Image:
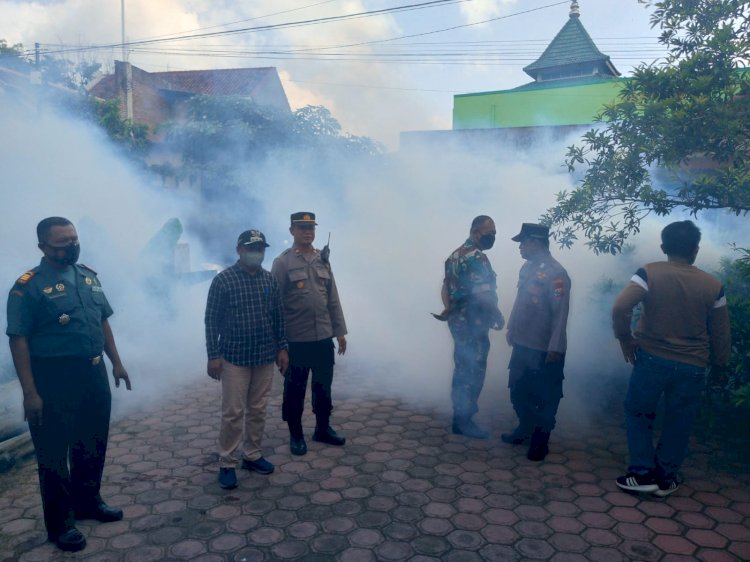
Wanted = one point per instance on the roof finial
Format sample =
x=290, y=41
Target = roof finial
x=575, y=11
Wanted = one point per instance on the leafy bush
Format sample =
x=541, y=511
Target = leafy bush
x=736, y=277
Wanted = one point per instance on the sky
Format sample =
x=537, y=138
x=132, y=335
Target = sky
x=379, y=74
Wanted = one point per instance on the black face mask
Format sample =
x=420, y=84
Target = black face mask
x=487, y=241
x=72, y=252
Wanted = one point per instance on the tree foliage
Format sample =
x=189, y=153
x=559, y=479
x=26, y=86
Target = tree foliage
x=221, y=134
x=53, y=70
x=132, y=137
x=736, y=277
x=677, y=137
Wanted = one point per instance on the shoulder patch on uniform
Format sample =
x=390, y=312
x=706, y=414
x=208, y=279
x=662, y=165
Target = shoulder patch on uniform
x=25, y=277
x=87, y=267
x=558, y=287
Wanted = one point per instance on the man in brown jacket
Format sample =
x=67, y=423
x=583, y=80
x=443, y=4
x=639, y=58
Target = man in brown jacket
x=684, y=325
x=313, y=315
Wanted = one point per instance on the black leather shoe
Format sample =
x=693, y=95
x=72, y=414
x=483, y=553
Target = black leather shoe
x=328, y=436
x=297, y=445
x=100, y=511
x=71, y=540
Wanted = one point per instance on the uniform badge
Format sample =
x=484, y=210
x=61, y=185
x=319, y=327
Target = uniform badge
x=60, y=287
x=47, y=290
x=64, y=319
x=300, y=284
x=88, y=280
x=25, y=278
x=559, y=288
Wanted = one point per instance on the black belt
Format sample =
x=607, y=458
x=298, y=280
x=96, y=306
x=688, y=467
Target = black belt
x=93, y=360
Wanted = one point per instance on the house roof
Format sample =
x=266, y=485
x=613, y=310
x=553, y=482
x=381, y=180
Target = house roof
x=571, y=46
x=218, y=82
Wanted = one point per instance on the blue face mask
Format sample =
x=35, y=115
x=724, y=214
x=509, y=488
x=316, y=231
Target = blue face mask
x=252, y=259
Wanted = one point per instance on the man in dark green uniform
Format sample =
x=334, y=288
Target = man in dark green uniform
x=58, y=328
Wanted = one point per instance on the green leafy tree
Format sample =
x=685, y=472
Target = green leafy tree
x=132, y=137
x=12, y=56
x=736, y=277
x=677, y=137
x=223, y=134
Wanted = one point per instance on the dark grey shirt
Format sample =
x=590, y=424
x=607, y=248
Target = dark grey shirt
x=540, y=313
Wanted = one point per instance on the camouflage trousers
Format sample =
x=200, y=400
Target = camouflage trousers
x=471, y=345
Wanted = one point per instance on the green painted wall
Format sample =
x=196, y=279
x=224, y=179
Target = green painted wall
x=537, y=104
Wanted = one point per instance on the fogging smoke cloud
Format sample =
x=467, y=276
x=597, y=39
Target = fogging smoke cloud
x=56, y=165
x=393, y=220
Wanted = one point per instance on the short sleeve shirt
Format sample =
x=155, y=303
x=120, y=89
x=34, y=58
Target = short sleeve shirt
x=59, y=317
x=312, y=308
x=467, y=273
x=540, y=313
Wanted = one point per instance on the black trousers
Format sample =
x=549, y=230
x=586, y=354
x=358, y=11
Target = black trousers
x=535, y=388
x=304, y=357
x=71, y=442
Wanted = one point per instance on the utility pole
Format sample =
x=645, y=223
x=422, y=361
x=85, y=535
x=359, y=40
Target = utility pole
x=122, y=30
x=128, y=69
x=35, y=76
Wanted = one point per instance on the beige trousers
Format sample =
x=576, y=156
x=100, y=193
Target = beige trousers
x=244, y=396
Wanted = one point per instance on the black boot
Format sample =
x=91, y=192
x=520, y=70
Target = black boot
x=297, y=445
x=539, y=446
x=518, y=436
x=328, y=435
x=465, y=426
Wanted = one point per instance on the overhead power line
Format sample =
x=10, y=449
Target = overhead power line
x=314, y=21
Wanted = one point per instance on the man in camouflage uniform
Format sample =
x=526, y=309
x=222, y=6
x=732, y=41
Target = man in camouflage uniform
x=537, y=332
x=470, y=298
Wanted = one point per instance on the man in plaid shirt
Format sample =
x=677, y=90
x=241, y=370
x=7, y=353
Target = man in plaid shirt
x=244, y=337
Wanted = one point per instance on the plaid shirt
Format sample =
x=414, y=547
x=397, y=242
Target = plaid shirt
x=244, y=318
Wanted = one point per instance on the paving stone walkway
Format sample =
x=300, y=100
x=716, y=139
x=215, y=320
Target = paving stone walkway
x=403, y=488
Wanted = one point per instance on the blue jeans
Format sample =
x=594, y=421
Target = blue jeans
x=681, y=385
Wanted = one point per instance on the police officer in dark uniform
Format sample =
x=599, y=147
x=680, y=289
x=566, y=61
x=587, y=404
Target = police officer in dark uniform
x=537, y=331
x=58, y=328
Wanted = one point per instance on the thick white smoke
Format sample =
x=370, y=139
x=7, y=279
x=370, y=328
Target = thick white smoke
x=53, y=165
x=393, y=222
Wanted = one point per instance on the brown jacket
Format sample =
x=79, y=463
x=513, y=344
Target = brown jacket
x=312, y=309
x=684, y=317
